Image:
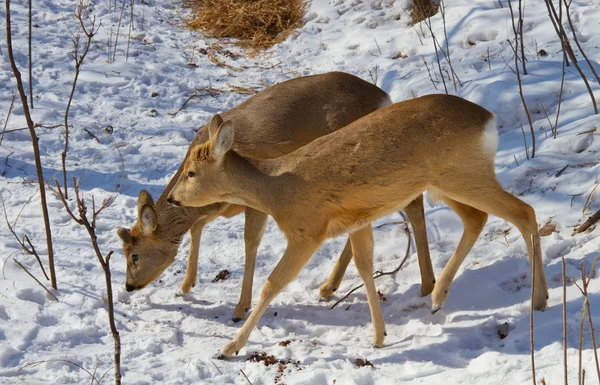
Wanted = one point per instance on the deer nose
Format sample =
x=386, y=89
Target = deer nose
x=129, y=287
x=173, y=202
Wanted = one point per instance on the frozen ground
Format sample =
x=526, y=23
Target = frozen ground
x=171, y=340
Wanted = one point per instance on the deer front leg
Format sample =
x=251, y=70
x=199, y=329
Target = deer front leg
x=416, y=216
x=191, y=271
x=362, y=249
x=254, y=228
x=335, y=278
x=295, y=257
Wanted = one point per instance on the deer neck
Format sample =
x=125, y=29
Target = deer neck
x=260, y=184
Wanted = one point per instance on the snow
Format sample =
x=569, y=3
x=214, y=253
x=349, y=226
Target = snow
x=171, y=340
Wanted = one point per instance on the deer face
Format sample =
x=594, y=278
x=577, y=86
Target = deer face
x=204, y=179
x=147, y=253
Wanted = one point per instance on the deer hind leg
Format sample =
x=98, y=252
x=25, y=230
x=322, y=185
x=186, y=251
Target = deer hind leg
x=254, y=228
x=295, y=257
x=362, y=249
x=191, y=271
x=485, y=193
x=335, y=278
x=416, y=216
x=473, y=221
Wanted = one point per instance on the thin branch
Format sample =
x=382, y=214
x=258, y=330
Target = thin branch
x=12, y=104
x=37, y=280
x=521, y=17
x=586, y=225
x=564, y=282
x=568, y=11
x=29, y=62
x=437, y=54
x=380, y=273
x=562, y=83
x=516, y=53
x=534, y=242
x=35, y=144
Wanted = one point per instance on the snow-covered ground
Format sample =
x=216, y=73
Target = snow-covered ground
x=171, y=340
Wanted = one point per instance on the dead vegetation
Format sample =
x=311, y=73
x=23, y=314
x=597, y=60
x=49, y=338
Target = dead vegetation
x=254, y=25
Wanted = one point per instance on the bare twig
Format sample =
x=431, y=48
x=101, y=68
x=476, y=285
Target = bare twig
x=82, y=219
x=12, y=104
x=29, y=62
x=429, y=71
x=568, y=12
x=437, y=54
x=246, y=377
x=65, y=361
x=37, y=280
x=525, y=141
x=35, y=144
x=586, y=301
x=562, y=35
x=89, y=33
x=117, y=34
x=562, y=83
x=516, y=53
x=380, y=273
x=521, y=17
x=447, y=53
x=534, y=242
x=564, y=282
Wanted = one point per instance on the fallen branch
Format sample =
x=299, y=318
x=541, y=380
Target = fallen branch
x=586, y=225
x=379, y=273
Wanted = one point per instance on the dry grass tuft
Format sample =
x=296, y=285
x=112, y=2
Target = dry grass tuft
x=422, y=9
x=254, y=24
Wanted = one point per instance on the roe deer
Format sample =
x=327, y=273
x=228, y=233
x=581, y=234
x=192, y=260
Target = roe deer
x=272, y=123
x=343, y=181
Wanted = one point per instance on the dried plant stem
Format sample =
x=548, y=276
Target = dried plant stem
x=521, y=17
x=589, y=310
x=37, y=280
x=12, y=104
x=568, y=12
x=534, y=242
x=29, y=62
x=35, y=144
x=564, y=283
x=82, y=219
x=516, y=54
x=117, y=34
x=437, y=53
x=380, y=273
x=586, y=225
x=562, y=35
x=131, y=4
x=560, y=93
x=89, y=33
x=447, y=53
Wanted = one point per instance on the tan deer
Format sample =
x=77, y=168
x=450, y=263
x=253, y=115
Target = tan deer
x=343, y=181
x=272, y=123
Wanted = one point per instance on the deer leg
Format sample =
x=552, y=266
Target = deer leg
x=362, y=249
x=416, y=216
x=254, y=228
x=473, y=221
x=191, y=271
x=485, y=193
x=294, y=258
x=337, y=274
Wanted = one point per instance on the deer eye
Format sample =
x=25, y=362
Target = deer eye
x=134, y=257
x=191, y=174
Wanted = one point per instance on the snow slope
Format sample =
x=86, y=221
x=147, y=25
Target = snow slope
x=172, y=340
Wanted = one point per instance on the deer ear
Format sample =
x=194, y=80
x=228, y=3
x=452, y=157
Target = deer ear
x=148, y=219
x=144, y=199
x=214, y=125
x=195, y=153
x=124, y=234
x=223, y=140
